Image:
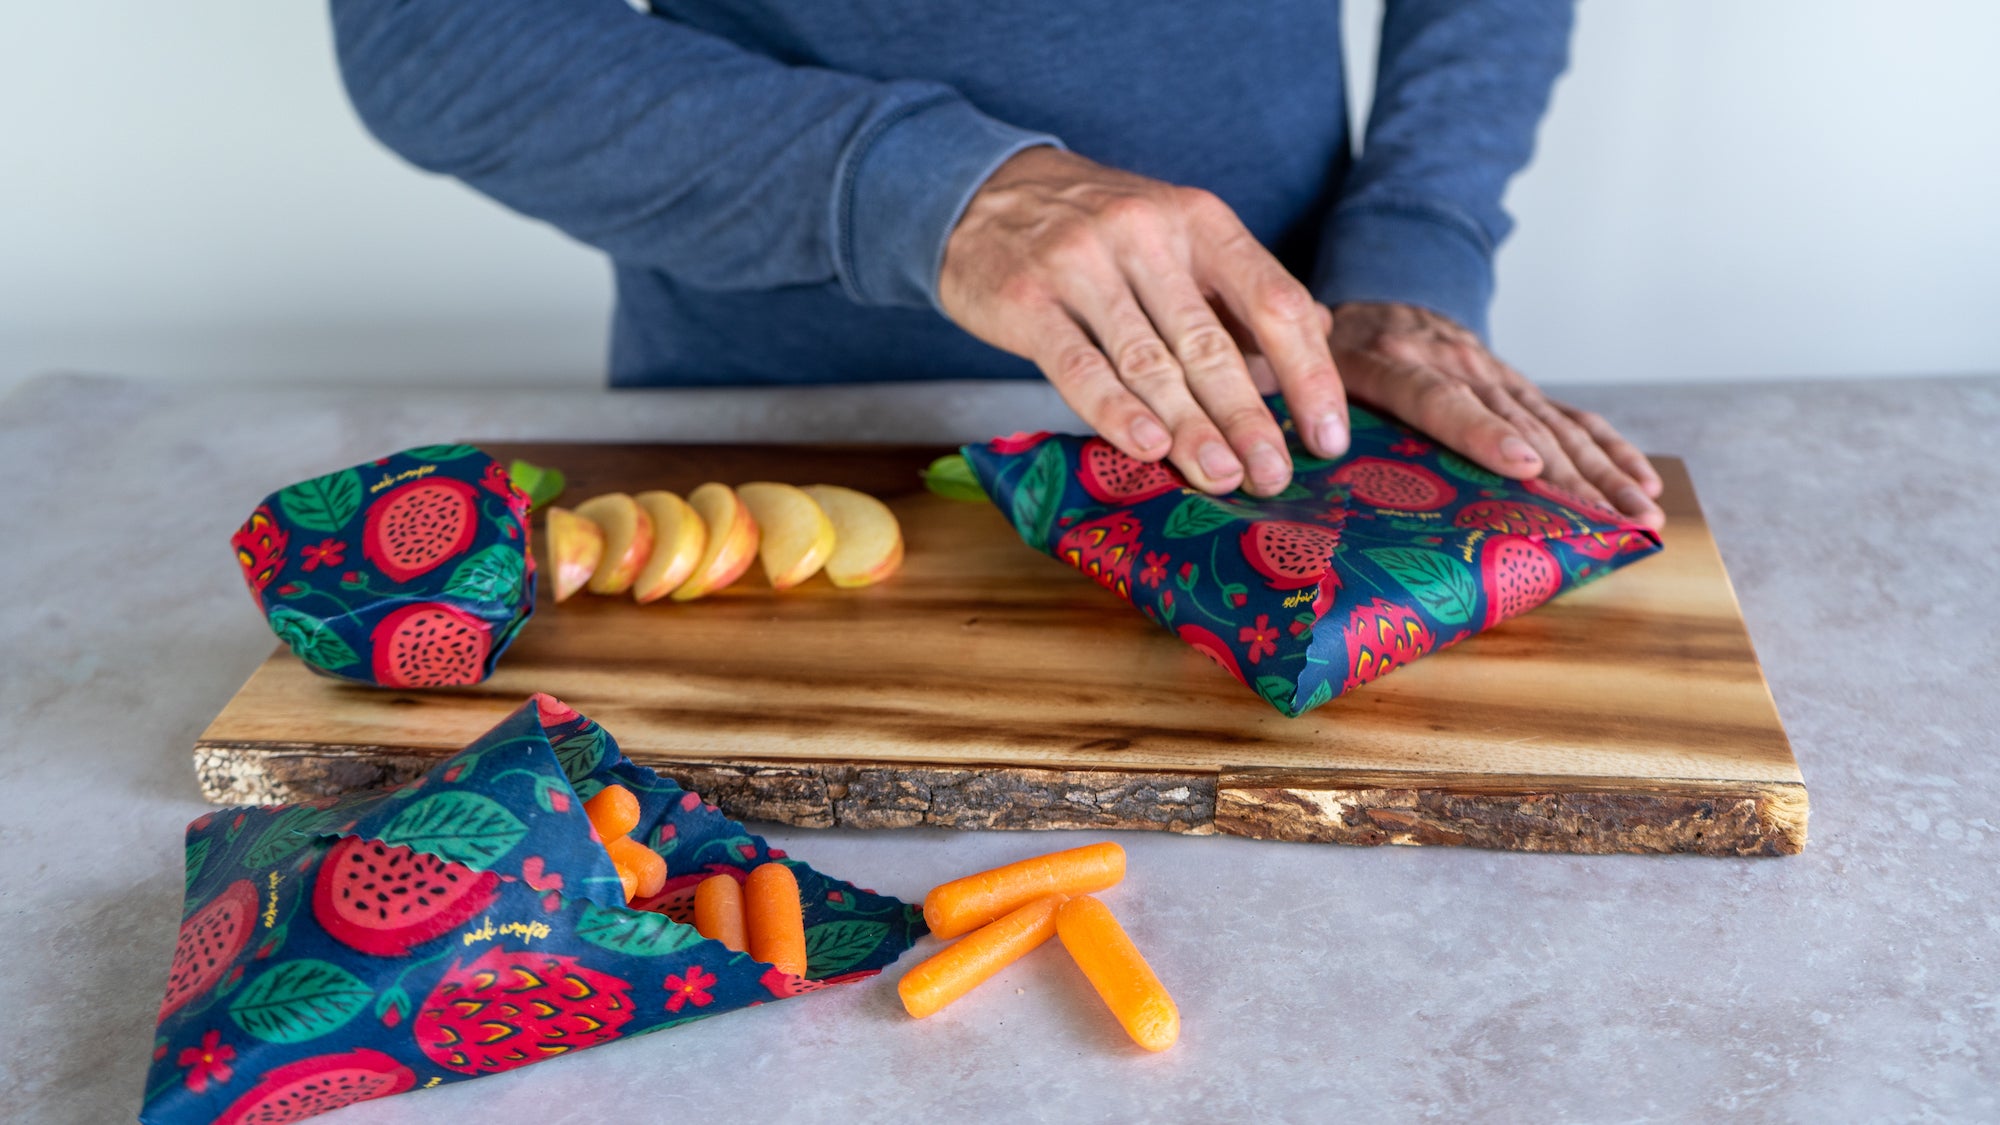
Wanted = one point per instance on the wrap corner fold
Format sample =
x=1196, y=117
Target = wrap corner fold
x=465, y=923
x=1362, y=565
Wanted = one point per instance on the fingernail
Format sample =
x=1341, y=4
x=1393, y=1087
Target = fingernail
x=1267, y=468
x=1147, y=435
x=1514, y=449
x=1217, y=461
x=1332, y=436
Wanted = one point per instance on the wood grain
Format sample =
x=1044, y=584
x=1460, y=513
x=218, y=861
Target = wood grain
x=987, y=686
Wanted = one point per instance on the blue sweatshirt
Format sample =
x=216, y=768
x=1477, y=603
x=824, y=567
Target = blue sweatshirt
x=775, y=179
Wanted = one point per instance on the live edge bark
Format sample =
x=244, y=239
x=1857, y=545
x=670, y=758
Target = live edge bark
x=1544, y=815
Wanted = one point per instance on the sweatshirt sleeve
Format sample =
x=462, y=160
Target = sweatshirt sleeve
x=674, y=149
x=1459, y=90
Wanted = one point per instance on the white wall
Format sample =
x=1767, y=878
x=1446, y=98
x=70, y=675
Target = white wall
x=1794, y=187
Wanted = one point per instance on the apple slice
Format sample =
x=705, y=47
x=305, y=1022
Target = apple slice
x=732, y=541
x=679, y=537
x=575, y=547
x=628, y=540
x=797, y=536
x=868, y=542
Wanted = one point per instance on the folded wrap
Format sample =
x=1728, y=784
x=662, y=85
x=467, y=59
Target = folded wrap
x=1361, y=565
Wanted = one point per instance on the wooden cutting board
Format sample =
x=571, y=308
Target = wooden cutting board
x=987, y=686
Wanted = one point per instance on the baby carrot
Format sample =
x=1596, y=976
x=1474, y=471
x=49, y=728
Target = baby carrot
x=613, y=812
x=628, y=878
x=966, y=964
x=649, y=871
x=964, y=905
x=718, y=911
x=774, y=920
x=1120, y=975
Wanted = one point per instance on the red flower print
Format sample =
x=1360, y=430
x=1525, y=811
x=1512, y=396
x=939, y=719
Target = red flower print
x=1410, y=447
x=775, y=853
x=691, y=989
x=392, y=1015
x=208, y=1062
x=1261, y=637
x=835, y=896
x=1167, y=599
x=535, y=875
x=327, y=552
x=289, y=589
x=1239, y=599
x=1155, y=571
x=689, y=801
x=1187, y=571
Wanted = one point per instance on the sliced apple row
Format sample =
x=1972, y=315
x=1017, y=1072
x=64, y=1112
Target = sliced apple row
x=658, y=545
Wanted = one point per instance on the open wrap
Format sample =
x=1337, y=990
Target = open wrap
x=466, y=923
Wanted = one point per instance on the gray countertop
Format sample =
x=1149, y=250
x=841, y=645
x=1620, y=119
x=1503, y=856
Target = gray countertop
x=1860, y=980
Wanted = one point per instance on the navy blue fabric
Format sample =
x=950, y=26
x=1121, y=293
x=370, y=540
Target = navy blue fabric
x=776, y=179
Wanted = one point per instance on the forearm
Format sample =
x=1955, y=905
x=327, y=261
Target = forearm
x=1459, y=91
x=671, y=148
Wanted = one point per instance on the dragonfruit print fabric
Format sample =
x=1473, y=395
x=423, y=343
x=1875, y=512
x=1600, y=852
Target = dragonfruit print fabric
x=412, y=571
x=464, y=924
x=1363, y=564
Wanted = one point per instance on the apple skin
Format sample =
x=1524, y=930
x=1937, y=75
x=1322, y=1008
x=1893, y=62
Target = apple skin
x=868, y=540
x=679, y=537
x=576, y=545
x=797, y=536
x=732, y=541
x=628, y=540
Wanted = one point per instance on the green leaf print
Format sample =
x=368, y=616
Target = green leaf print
x=441, y=452
x=197, y=857
x=492, y=575
x=299, y=1000
x=313, y=640
x=323, y=503
x=1465, y=470
x=837, y=946
x=1197, y=515
x=1435, y=579
x=581, y=753
x=638, y=933
x=463, y=827
x=1039, y=495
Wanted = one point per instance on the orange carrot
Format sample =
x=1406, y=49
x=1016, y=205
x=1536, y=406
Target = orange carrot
x=1120, y=975
x=628, y=877
x=964, y=905
x=774, y=919
x=718, y=911
x=649, y=871
x=613, y=812
x=966, y=964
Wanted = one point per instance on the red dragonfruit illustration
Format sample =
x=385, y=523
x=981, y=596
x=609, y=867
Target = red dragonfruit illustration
x=430, y=644
x=417, y=527
x=1518, y=575
x=1513, y=517
x=1382, y=636
x=510, y=1008
x=1103, y=548
x=260, y=549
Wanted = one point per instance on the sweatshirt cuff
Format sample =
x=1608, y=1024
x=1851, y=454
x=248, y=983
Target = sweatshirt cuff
x=1416, y=253
x=904, y=182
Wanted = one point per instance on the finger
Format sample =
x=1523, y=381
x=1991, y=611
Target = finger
x=1622, y=452
x=1080, y=373
x=1151, y=371
x=1446, y=408
x=1217, y=375
x=1595, y=466
x=1285, y=320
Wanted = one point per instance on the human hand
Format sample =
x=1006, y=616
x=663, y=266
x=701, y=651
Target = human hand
x=1430, y=372
x=1144, y=304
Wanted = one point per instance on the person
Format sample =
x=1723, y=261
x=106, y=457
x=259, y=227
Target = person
x=1153, y=204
